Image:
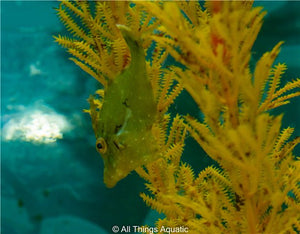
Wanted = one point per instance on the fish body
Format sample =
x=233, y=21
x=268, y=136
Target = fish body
x=124, y=125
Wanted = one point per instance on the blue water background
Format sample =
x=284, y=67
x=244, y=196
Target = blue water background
x=57, y=187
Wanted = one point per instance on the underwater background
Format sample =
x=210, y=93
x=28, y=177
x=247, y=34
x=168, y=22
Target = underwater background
x=51, y=174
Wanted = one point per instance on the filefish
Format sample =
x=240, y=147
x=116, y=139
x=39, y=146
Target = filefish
x=124, y=125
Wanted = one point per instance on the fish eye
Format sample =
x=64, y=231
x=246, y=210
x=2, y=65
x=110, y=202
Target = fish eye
x=101, y=145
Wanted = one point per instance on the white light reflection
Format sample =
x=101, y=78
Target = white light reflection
x=37, y=125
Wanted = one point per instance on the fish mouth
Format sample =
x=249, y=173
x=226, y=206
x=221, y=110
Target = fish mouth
x=112, y=176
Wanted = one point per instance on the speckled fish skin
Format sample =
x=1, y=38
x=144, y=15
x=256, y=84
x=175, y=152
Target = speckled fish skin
x=127, y=117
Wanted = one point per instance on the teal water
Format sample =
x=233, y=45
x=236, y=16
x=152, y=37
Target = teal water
x=51, y=174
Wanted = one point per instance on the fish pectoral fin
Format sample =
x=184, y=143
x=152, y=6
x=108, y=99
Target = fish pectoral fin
x=119, y=145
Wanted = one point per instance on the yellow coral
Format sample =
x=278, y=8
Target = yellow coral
x=255, y=189
x=237, y=131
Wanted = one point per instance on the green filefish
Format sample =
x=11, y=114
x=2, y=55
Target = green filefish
x=124, y=125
